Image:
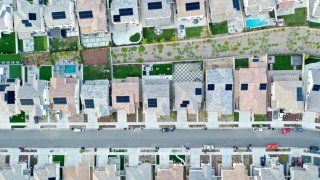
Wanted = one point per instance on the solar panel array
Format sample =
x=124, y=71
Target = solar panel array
x=59, y=100
x=198, y=91
x=85, y=14
x=26, y=23
x=210, y=87
x=26, y=102
x=116, y=18
x=89, y=103
x=236, y=4
x=32, y=16
x=3, y=87
x=184, y=103
x=58, y=15
x=11, y=80
x=126, y=12
x=228, y=87
x=122, y=99
x=263, y=86
x=11, y=97
x=244, y=87
x=152, y=103
x=316, y=87
x=299, y=94
x=192, y=6
x=154, y=5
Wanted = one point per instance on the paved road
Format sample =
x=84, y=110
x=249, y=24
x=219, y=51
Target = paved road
x=152, y=138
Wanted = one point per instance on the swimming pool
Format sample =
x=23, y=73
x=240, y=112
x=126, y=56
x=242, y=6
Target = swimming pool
x=254, y=23
x=69, y=69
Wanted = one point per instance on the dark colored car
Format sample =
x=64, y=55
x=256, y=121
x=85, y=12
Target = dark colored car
x=314, y=148
x=263, y=161
x=166, y=130
x=293, y=161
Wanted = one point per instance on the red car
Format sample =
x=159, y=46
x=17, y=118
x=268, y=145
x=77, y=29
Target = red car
x=298, y=161
x=285, y=130
x=272, y=146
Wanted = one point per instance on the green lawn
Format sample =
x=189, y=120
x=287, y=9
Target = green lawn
x=311, y=60
x=161, y=69
x=297, y=19
x=10, y=57
x=314, y=24
x=58, y=159
x=45, y=72
x=242, y=63
x=124, y=71
x=175, y=159
x=19, y=118
x=122, y=162
x=40, y=43
x=8, y=44
x=193, y=32
x=96, y=72
x=157, y=159
x=20, y=45
x=25, y=74
x=15, y=71
x=219, y=28
x=135, y=38
x=282, y=62
x=260, y=117
x=150, y=36
x=64, y=44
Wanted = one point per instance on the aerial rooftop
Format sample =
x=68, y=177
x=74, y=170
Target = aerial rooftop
x=156, y=13
x=190, y=9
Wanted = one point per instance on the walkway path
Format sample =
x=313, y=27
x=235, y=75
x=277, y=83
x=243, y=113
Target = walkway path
x=272, y=41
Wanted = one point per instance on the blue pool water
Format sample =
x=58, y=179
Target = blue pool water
x=69, y=69
x=254, y=23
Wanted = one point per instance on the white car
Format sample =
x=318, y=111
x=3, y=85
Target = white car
x=208, y=147
x=78, y=129
x=257, y=129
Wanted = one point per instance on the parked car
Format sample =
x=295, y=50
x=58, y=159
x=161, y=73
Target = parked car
x=293, y=161
x=167, y=129
x=78, y=129
x=208, y=147
x=298, y=129
x=272, y=146
x=257, y=129
x=299, y=161
x=314, y=148
x=263, y=160
x=285, y=130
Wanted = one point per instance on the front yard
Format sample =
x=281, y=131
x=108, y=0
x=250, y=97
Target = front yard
x=15, y=71
x=194, y=32
x=8, y=44
x=124, y=71
x=19, y=118
x=10, y=57
x=297, y=19
x=161, y=69
x=64, y=44
x=45, y=72
x=260, y=117
x=58, y=159
x=283, y=62
x=96, y=72
x=150, y=36
x=40, y=43
x=219, y=28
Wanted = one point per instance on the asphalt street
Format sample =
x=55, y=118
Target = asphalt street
x=152, y=138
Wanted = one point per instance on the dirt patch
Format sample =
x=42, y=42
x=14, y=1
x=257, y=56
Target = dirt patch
x=95, y=56
x=147, y=159
x=236, y=159
x=111, y=118
x=34, y=58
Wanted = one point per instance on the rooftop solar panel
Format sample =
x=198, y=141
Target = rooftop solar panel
x=263, y=86
x=228, y=87
x=244, y=87
x=32, y=16
x=58, y=15
x=89, y=103
x=3, y=87
x=198, y=91
x=184, y=103
x=11, y=80
x=316, y=87
x=126, y=12
x=59, y=100
x=116, y=18
x=28, y=24
x=236, y=4
x=210, y=87
x=24, y=21
x=154, y=5
x=192, y=6
x=299, y=94
x=85, y=14
x=122, y=99
x=26, y=101
x=11, y=97
x=152, y=103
